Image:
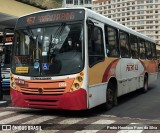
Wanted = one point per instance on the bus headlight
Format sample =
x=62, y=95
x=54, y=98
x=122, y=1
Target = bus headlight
x=78, y=82
x=80, y=79
x=76, y=85
x=12, y=82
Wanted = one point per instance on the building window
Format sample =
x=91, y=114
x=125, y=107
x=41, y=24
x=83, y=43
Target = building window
x=156, y=11
x=149, y=1
x=87, y=1
x=75, y=2
x=140, y=1
x=128, y=3
x=69, y=1
x=81, y=2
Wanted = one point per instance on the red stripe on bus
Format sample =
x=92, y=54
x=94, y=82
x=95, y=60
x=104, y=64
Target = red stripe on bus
x=106, y=73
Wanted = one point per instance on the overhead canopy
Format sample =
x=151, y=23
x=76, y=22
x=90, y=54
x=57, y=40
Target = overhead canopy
x=7, y=21
x=11, y=10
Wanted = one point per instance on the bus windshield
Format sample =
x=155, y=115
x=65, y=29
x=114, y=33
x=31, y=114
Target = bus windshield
x=48, y=51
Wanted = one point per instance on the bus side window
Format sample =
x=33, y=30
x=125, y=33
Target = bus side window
x=95, y=46
x=111, y=41
x=124, y=44
x=134, y=46
x=142, y=49
x=148, y=50
x=153, y=47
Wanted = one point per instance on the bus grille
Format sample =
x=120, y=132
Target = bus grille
x=45, y=87
x=43, y=90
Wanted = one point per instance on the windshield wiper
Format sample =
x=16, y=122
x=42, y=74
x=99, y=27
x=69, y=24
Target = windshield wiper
x=59, y=30
x=55, y=36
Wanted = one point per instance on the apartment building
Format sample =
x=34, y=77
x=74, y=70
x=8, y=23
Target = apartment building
x=140, y=15
x=77, y=3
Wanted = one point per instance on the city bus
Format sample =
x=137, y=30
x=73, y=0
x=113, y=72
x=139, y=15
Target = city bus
x=77, y=59
x=5, y=56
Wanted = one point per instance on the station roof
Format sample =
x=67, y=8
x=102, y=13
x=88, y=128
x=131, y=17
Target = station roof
x=11, y=10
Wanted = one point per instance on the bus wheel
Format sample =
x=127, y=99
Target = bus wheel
x=109, y=97
x=145, y=86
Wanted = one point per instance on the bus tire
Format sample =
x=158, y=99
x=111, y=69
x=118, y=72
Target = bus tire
x=111, y=96
x=145, y=85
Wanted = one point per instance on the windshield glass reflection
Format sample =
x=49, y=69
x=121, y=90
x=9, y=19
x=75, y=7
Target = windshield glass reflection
x=48, y=51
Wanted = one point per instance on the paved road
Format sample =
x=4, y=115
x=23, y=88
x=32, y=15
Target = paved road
x=134, y=108
x=73, y=122
x=138, y=105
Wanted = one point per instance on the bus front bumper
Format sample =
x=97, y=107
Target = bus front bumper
x=76, y=100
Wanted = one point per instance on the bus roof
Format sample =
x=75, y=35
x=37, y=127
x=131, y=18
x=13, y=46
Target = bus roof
x=100, y=18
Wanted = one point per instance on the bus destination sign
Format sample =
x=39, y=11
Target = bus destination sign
x=51, y=16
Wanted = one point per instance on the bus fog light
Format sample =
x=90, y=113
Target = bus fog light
x=76, y=85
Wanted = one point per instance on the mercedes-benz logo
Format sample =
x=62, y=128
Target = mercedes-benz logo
x=40, y=90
